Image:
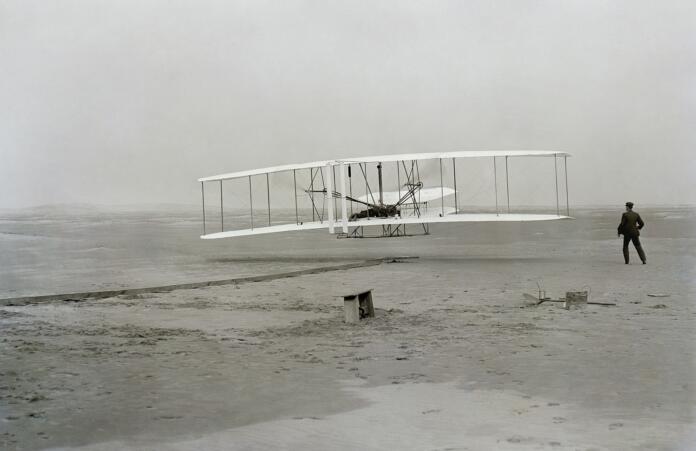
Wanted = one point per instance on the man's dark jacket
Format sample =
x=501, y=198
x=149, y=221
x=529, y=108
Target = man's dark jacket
x=631, y=223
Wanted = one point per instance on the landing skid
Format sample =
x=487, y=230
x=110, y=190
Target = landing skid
x=388, y=231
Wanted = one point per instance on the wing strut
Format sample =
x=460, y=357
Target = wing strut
x=333, y=171
x=454, y=169
x=507, y=184
x=311, y=187
x=268, y=194
x=442, y=191
x=329, y=176
x=311, y=191
x=495, y=182
x=344, y=206
x=379, y=178
x=410, y=181
x=565, y=168
x=251, y=205
x=203, y=197
x=368, y=190
x=294, y=186
x=555, y=171
x=350, y=183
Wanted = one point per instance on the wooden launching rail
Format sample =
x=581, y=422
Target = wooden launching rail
x=17, y=301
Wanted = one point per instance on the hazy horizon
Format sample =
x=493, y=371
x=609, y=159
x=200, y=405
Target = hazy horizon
x=130, y=102
x=214, y=209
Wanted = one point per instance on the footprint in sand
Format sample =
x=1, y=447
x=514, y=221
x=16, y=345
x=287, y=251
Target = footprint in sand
x=613, y=426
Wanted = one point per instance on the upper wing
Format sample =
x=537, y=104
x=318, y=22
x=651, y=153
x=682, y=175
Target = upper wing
x=387, y=158
x=455, y=154
x=269, y=170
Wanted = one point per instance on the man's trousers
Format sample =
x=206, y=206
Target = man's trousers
x=636, y=243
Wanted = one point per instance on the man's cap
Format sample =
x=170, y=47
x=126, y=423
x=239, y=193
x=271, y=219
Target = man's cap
x=629, y=204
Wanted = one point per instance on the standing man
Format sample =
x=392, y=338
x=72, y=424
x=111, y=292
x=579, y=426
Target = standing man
x=630, y=226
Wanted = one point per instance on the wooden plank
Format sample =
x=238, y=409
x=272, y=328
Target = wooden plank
x=182, y=286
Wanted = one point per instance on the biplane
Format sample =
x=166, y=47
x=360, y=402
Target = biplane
x=347, y=196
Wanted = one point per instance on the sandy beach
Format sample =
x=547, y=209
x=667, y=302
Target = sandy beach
x=456, y=358
x=190, y=189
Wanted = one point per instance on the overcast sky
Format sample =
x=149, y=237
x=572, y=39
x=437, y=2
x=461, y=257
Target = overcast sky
x=121, y=102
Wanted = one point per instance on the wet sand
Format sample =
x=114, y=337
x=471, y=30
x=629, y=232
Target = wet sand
x=455, y=358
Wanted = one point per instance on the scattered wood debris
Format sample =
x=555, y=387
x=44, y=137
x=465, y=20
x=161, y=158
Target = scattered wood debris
x=573, y=299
